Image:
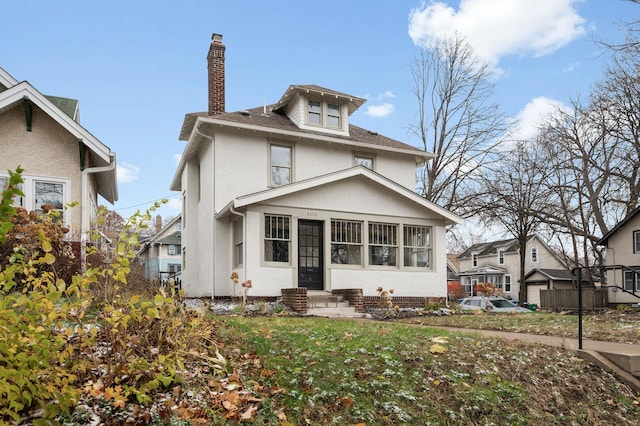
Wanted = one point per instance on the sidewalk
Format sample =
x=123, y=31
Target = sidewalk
x=621, y=358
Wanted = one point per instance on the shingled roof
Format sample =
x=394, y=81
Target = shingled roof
x=275, y=120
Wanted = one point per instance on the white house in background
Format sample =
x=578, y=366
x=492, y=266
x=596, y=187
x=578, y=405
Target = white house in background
x=293, y=195
x=622, y=244
x=62, y=161
x=498, y=262
x=161, y=254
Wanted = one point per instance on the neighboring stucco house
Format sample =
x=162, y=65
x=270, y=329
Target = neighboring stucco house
x=498, y=262
x=62, y=161
x=293, y=195
x=161, y=254
x=622, y=259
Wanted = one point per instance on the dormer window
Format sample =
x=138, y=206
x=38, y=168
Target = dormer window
x=324, y=114
x=315, y=113
x=333, y=115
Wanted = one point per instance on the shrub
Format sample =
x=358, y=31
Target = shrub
x=53, y=354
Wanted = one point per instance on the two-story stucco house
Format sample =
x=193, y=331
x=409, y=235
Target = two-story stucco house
x=293, y=195
x=498, y=262
x=161, y=254
x=622, y=260
x=62, y=161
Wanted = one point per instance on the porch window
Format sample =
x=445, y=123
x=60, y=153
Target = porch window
x=277, y=238
x=417, y=246
x=383, y=244
x=636, y=241
x=534, y=254
x=346, y=242
x=238, y=243
x=280, y=165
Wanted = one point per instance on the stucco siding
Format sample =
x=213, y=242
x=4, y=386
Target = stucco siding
x=35, y=150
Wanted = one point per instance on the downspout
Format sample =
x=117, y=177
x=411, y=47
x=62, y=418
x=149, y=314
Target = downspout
x=213, y=193
x=244, y=242
x=84, y=231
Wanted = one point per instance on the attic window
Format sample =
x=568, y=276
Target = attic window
x=325, y=114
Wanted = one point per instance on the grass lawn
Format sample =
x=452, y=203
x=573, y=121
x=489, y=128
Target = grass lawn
x=319, y=371
x=607, y=325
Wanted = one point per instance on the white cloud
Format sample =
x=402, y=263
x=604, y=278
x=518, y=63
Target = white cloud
x=387, y=94
x=526, y=123
x=496, y=28
x=127, y=172
x=381, y=110
x=174, y=204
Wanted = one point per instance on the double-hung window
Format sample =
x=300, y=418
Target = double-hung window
x=534, y=254
x=314, y=112
x=280, y=165
x=383, y=244
x=173, y=249
x=631, y=281
x=417, y=246
x=346, y=242
x=501, y=257
x=507, y=283
x=324, y=114
x=474, y=258
x=277, y=238
x=636, y=241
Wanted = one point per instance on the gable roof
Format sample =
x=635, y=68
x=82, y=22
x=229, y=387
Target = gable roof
x=301, y=186
x=510, y=245
x=7, y=79
x=605, y=239
x=67, y=105
x=100, y=154
x=553, y=274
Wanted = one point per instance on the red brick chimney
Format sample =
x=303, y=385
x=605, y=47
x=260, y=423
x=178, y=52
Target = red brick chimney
x=215, y=58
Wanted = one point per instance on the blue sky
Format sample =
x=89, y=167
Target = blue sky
x=137, y=67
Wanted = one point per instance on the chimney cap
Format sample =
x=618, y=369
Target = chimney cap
x=216, y=38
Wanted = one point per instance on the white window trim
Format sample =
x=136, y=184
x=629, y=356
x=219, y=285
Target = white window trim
x=291, y=167
x=534, y=255
x=636, y=241
x=509, y=283
x=397, y=246
x=428, y=247
x=357, y=155
x=361, y=244
x=263, y=238
x=501, y=257
x=28, y=202
x=324, y=114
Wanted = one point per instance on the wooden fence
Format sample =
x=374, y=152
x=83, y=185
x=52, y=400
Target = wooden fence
x=592, y=298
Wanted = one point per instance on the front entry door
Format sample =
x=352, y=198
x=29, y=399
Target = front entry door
x=310, y=259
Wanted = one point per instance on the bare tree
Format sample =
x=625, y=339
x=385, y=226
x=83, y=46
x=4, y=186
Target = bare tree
x=455, y=120
x=514, y=193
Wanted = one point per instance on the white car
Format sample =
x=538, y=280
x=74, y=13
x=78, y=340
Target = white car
x=491, y=304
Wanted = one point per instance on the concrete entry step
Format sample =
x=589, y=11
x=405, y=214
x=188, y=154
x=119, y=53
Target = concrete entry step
x=339, y=312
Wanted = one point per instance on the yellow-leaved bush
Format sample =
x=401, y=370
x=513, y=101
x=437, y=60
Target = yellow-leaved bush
x=51, y=325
